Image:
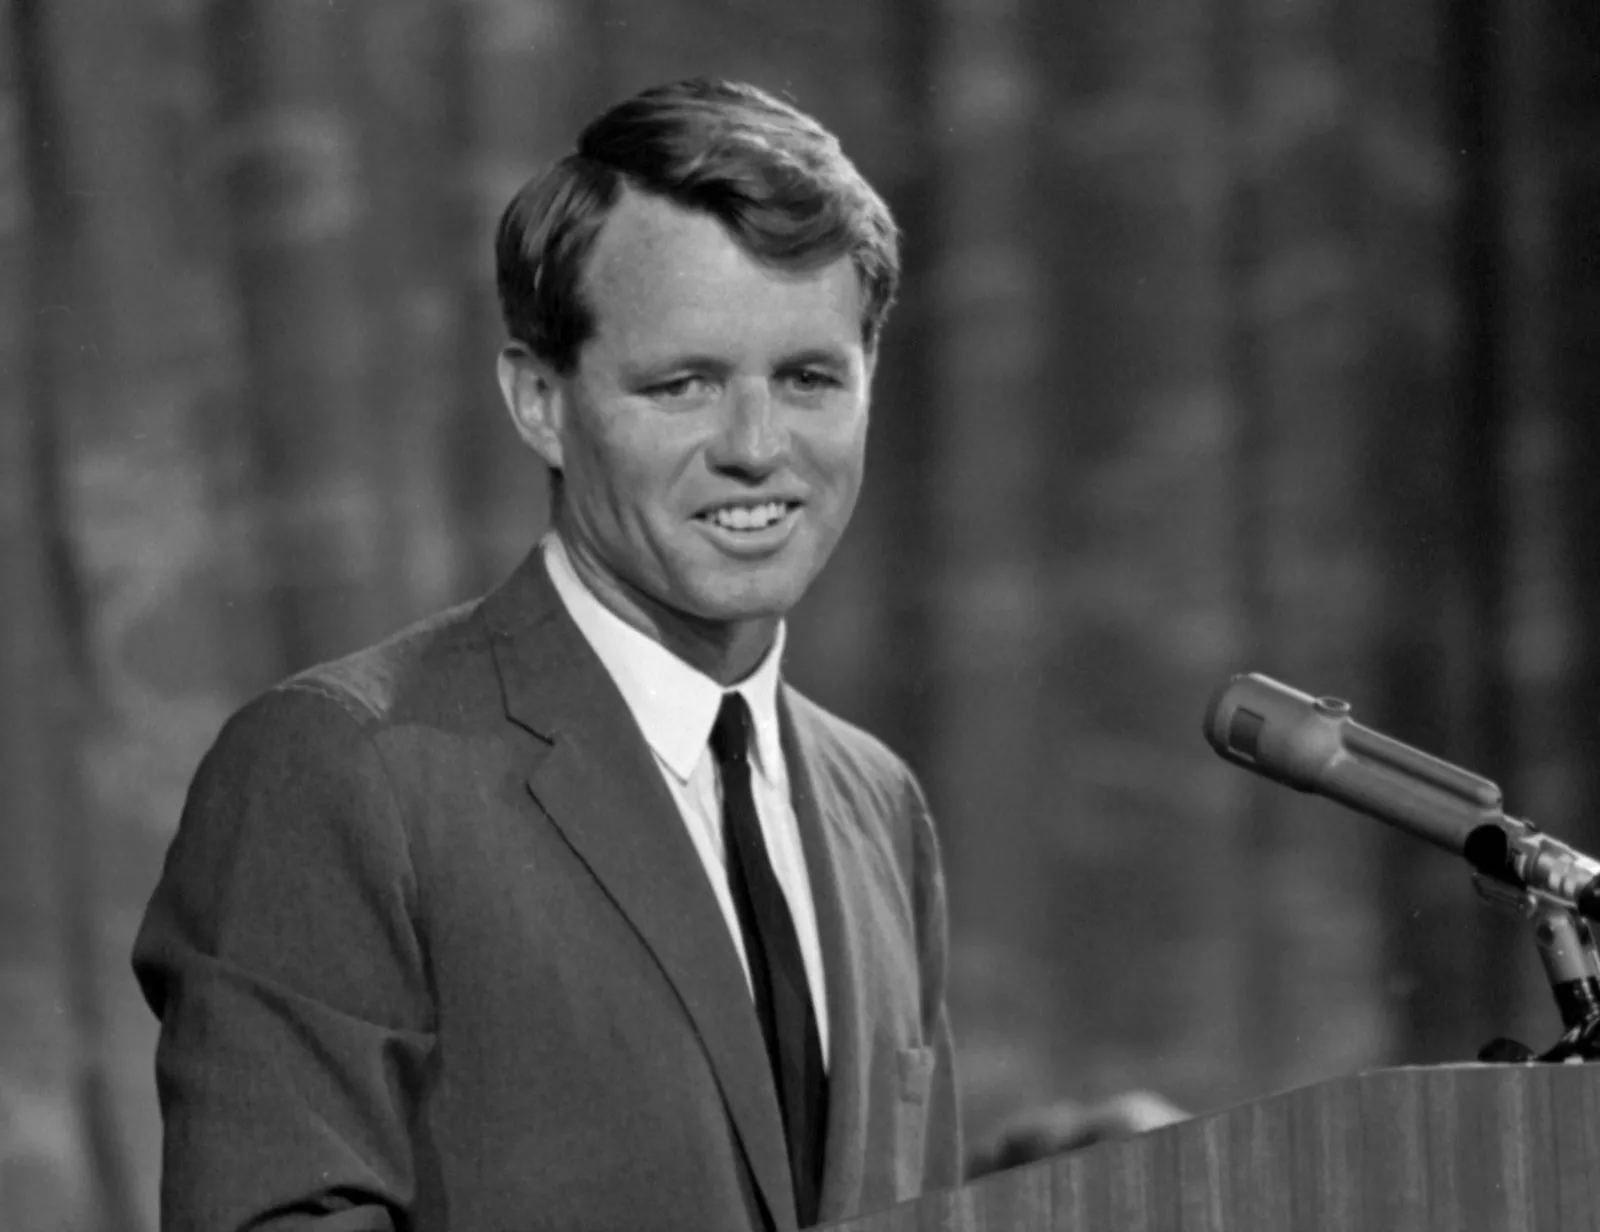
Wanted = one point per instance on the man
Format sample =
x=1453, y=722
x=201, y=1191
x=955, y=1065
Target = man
x=563, y=910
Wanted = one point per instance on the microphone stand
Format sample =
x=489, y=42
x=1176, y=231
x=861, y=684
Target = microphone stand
x=1313, y=745
x=1567, y=948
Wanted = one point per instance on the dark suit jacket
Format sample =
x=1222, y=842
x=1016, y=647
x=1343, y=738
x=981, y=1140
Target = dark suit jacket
x=433, y=950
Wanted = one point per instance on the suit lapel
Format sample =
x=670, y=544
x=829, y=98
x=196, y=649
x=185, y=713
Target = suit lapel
x=830, y=852
x=600, y=786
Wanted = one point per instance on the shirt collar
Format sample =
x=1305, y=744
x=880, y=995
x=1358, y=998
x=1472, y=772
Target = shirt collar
x=673, y=703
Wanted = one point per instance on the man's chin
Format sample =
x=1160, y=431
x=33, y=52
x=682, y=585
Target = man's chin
x=741, y=613
x=744, y=602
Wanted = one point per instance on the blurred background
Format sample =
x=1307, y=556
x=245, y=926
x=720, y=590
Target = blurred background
x=1235, y=335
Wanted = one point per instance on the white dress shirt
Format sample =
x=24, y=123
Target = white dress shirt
x=675, y=707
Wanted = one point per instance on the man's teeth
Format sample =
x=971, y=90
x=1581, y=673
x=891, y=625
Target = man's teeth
x=747, y=517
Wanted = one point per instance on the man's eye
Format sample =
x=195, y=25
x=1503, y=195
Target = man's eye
x=678, y=387
x=810, y=380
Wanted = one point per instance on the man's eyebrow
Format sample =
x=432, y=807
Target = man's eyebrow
x=828, y=356
x=671, y=361
x=701, y=361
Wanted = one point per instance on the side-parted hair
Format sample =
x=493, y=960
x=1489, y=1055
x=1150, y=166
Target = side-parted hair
x=774, y=177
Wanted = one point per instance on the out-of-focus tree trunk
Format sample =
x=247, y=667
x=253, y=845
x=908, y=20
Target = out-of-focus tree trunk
x=1548, y=748
x=1263, y=974
x=522, y=76
x=41, y=1162
x=986, y=592
x=53, y=695
x=1410, y=425
x=1476, y=90
x=1305, y=571
x=411, y=162
x=290, y=167
x=1570, y=102
x=1433, y=253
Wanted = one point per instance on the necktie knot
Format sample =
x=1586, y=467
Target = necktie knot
x=730, y=734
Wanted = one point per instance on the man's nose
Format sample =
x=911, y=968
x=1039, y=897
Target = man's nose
x=753, y=437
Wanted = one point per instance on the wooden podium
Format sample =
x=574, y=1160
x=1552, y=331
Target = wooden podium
x=1463, y=1148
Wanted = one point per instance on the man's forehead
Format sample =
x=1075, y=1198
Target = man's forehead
x=642, y=223
x=653, y=255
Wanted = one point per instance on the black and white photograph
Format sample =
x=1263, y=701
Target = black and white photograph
x=752, y=615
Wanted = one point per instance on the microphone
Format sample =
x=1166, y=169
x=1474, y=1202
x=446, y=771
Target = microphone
x=1313, y=745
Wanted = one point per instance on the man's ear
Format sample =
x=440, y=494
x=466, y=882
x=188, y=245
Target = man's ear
x=534, y=398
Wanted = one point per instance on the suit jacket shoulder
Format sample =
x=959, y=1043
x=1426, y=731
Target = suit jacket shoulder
x=436, y=671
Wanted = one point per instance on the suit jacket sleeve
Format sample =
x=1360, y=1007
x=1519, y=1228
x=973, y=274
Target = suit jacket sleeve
x=280, y=953
x=942, y=1150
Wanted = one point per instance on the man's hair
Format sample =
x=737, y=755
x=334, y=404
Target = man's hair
x=774, y=177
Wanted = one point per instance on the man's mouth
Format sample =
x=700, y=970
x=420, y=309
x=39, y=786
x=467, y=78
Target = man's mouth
x=748, y=517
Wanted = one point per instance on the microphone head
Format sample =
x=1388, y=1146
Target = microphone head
x=1243, y=707
x=1266, y=726
x=1224, y=704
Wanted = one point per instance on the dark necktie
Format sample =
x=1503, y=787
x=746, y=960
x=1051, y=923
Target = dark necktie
x=777, y=971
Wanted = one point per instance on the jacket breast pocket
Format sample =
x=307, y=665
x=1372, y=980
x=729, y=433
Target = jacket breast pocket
x=914, y=1068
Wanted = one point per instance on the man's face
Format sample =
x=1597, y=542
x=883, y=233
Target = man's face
x=712, y=437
